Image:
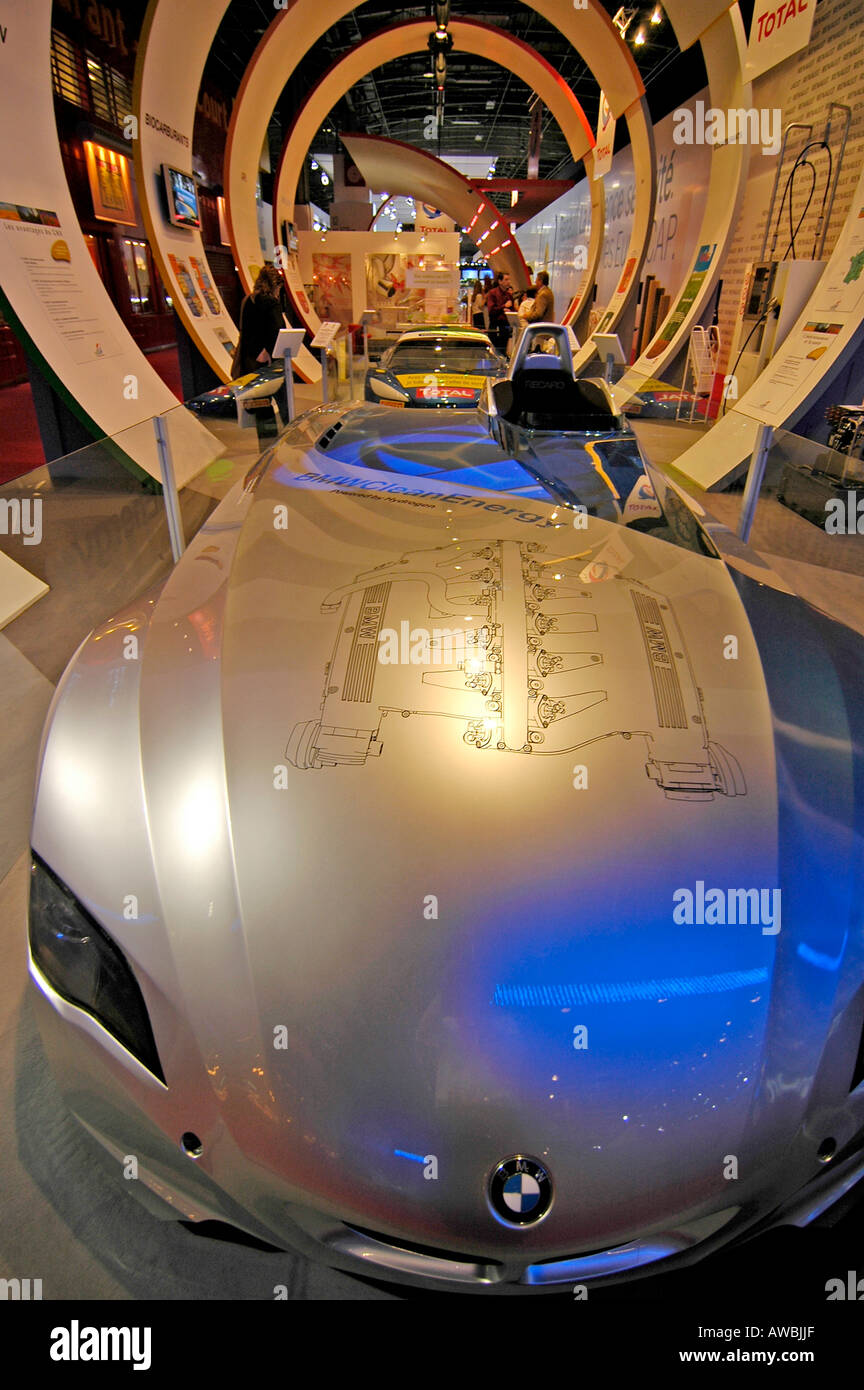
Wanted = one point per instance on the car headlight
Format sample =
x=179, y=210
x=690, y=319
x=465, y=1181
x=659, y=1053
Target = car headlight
x=82, y=963
x=386, y=392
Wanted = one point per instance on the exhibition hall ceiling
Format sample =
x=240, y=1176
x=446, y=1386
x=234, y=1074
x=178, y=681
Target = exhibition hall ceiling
x=486, y=108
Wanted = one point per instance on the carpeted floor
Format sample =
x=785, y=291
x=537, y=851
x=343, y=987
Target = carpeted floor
x=20, y=445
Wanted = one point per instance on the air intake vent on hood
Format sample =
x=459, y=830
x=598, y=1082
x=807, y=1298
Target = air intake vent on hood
x=329, y=435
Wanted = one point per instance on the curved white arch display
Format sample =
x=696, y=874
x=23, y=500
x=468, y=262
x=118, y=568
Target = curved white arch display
x=167, y=79
x=54, y=295
x=476, y=212
x=168, y=75
x=589, y=29
x=724, y=50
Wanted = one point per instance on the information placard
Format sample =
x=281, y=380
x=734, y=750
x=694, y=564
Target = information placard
x=326, y=334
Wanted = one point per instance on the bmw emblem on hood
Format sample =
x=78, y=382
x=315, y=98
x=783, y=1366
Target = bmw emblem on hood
x=520, y=1191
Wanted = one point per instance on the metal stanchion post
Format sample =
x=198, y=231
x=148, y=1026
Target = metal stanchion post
x=350, y=365
x=289, y=385
x=325, y=357
x=755, y=475
x=169, y=488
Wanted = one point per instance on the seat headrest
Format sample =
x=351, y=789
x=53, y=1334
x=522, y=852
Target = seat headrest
x=542, y=388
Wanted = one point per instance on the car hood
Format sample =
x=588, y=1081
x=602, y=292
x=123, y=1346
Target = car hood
x=425, y=909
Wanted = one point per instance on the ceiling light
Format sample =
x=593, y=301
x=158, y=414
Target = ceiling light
x=639, y=37
x=657, y=15
x=324, y=180
x=314, y=163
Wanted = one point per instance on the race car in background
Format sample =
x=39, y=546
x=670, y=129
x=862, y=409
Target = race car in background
x=254, y=386
x=435, y=368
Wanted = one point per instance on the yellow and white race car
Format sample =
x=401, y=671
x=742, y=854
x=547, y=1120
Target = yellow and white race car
x=436, y=367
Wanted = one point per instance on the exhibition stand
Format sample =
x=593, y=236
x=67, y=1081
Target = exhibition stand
x=590, y=30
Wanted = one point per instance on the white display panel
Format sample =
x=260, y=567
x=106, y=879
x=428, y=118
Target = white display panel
x=829, y=330
x=47, y=275
x=776, y=32
x=723, y=48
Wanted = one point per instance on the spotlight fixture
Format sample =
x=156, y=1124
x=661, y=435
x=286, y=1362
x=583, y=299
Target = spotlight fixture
x=324, y=180
x=639, y=37
x=314, y=164
x=657, y=15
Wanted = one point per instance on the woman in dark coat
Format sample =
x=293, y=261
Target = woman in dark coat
x=260, y=322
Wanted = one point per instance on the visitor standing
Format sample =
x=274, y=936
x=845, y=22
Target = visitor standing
x=498, y=301
x=543, y=308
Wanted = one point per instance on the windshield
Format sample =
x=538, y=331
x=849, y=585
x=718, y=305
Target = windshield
x=443, y=356
x=606, y=477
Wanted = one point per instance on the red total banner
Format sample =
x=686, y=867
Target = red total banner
x=779, y=29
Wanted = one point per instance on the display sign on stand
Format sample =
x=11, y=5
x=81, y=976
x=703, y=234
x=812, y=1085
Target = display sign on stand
x=368, y=316
x=324, y=339
x=288, y=344
x=326, y=334
x=609, y=347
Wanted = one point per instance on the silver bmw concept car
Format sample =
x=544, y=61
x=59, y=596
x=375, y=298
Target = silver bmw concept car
x=454, y=871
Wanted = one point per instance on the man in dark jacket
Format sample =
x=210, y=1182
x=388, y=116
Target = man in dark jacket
x=498, y=301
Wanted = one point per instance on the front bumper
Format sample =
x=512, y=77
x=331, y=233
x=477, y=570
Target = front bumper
x=130, y=1113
